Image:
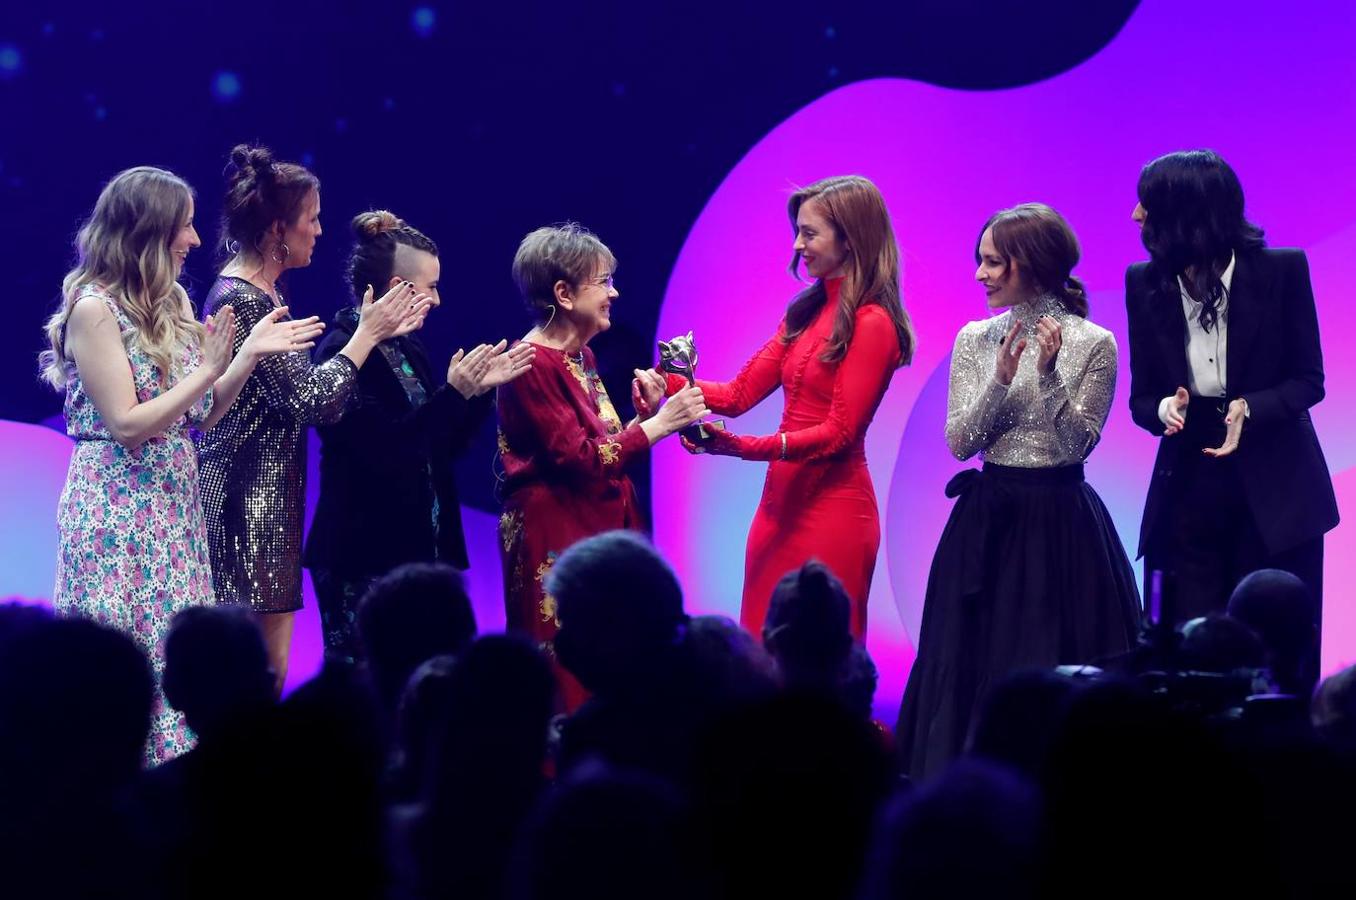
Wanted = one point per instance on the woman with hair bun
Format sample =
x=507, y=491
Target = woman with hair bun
x=139, y=371
x=253, y=465
x=388, y=494
x=1030, y=572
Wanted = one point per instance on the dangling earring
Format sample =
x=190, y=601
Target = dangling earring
x=233, y=247
x=285, y=253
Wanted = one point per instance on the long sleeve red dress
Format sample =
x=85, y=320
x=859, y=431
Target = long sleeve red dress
x=564, y=452
x=818, y=500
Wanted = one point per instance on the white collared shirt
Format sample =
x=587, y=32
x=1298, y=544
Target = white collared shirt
x=1207, y=351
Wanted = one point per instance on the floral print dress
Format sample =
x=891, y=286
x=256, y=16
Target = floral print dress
x=133, y=544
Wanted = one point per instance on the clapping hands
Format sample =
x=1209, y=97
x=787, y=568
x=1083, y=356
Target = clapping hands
x=486, y=367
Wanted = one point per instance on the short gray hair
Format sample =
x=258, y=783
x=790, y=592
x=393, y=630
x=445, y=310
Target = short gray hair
x=554, y=253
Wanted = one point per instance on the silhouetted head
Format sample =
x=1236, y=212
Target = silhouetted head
x=412, y=614
x=75, y=708
x=728, y=667
x=807, y=625
x=971, y=832
x=607, y=835
x=483, y=715
x=216, y=667
x=1220, y=643
x=1020, y=716
x=1279, y=609
x=1334, y=709
x=786, y=792
x=620, y=607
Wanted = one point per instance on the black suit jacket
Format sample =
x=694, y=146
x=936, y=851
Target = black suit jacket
x=376, y=496
x=1274, y=362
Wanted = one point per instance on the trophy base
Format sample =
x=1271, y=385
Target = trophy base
x=699, y=433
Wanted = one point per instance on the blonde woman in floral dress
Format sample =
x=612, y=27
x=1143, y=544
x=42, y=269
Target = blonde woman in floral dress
x=138, y=372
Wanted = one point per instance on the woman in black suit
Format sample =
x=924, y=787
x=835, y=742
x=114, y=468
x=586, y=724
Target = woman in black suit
x=387, y=491
x=1224, y=363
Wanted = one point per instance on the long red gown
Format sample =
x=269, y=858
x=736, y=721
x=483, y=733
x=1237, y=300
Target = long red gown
x=564, y=451
x=818, y=499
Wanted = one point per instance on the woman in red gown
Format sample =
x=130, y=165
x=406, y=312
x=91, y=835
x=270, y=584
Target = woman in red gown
x=834, y=354
x=563, y=448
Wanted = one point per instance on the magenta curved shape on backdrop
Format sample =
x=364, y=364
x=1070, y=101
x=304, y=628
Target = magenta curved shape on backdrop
x=1271, y=91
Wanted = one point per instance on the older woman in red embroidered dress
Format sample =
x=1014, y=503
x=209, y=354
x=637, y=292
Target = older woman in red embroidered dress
x=563, y=448
x=834, y=354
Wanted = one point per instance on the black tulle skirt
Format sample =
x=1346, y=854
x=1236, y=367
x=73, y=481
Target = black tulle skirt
x=1029, y=573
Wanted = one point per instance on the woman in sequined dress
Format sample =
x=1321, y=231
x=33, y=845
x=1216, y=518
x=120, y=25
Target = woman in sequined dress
x=254, y=464
x=388, y=492
x=563, y=448
x=833, y=356
x=138, y=372
x=1029, y=572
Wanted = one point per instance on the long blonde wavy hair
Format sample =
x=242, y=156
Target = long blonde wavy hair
x=124, y=248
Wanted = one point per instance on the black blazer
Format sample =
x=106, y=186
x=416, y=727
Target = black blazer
x=376, y=496
x=1275, y=363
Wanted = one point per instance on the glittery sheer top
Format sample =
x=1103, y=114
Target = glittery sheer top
x=253, y=463
x=1039, y=420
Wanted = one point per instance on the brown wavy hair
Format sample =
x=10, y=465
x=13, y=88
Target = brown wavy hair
x=260, y=192
x=856, y=211
x=1044, y=245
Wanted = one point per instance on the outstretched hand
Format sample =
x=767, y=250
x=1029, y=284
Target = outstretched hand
x=1233, y=422
x=273, y=334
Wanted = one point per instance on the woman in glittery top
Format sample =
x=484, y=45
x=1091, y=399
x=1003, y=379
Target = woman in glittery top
x=1030, y=572
x=253, y=464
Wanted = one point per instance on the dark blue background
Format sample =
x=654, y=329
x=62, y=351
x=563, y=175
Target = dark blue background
x=474, y=121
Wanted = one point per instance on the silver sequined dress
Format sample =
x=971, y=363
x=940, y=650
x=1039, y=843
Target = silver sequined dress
x=1029, y=572
x=253, y=463
x=1040, y=420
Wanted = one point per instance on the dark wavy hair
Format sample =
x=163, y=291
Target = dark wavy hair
x=260, y=192
x=1045, y=248
x=1193, y=204
x=376, y=235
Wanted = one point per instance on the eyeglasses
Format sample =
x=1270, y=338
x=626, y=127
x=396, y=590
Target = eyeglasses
x=602, y=281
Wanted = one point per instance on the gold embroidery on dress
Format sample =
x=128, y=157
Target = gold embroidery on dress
x=547, y=605
x=606, y=411
x=610, y=452
x=593, y=386
x=510, y=528
x=576, y=367
x=502, y=443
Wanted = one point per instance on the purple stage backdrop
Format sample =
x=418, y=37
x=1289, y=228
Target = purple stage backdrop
x=1270, y=86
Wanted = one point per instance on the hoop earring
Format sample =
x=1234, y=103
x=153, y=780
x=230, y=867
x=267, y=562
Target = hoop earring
x=285, y=253
x=233, y=247
x=551, y=317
